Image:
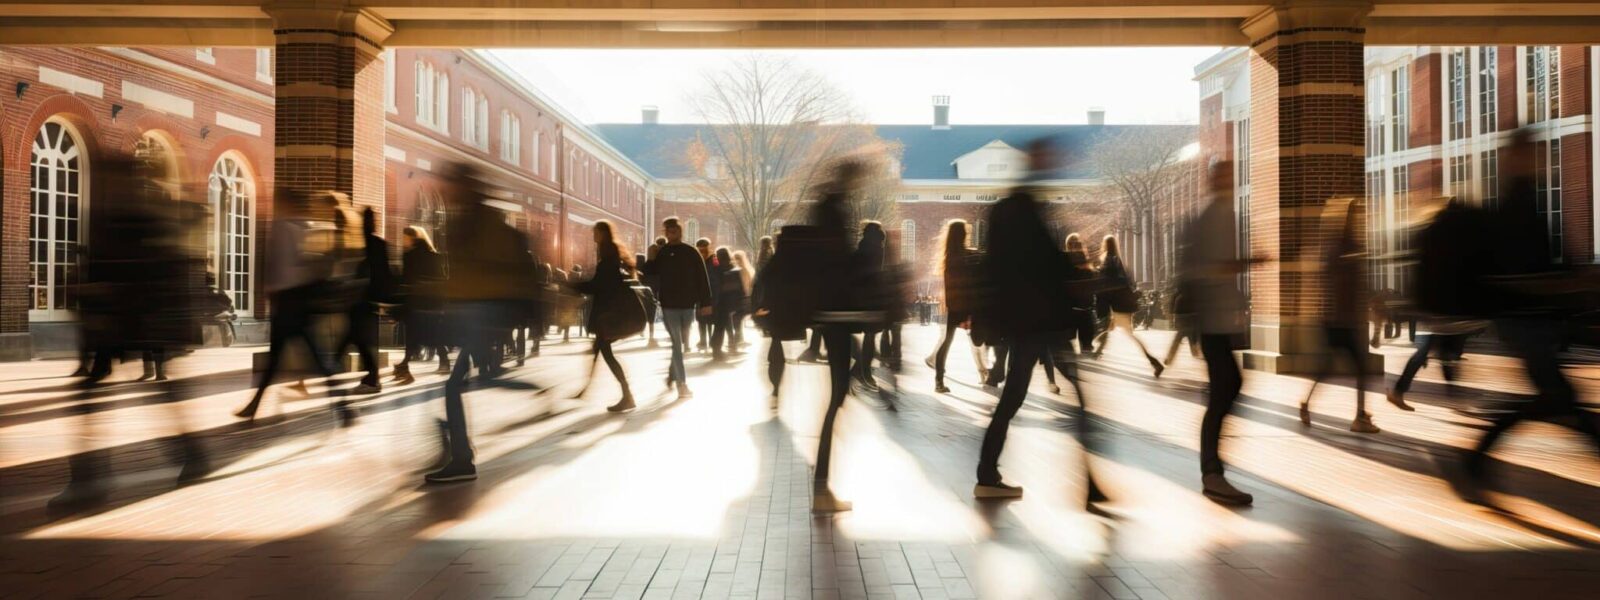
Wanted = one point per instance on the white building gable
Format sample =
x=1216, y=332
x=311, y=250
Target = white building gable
x=995, y=160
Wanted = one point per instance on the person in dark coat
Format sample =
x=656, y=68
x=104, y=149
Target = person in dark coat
x=772, y=286
x=685, y=289
x=1118, y=298
x=838, y=310
x=955, y=267
x=729, y=290
x=362, y=328
x=707, y=320
x=609, y=285
x=867, y=267
x=421, y=275
x=652, y=281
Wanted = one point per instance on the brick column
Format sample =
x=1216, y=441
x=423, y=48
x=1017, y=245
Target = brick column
x=329, y=127
x=1307, y=116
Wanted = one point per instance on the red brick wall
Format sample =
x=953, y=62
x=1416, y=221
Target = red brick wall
x=1577, y=195
x=1509, y=87
x=1574, y=80
x=1427, y=179
x=1426, y=86
x=20, y=120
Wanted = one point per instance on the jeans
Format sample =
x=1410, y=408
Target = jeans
x=1226, y=381
x=1449, y=348
x=677, y=322
x=1023, y=353
x=476, y=324
x=838, y=340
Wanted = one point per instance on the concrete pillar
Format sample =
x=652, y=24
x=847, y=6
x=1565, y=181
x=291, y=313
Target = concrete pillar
x=1307, y=117
x=329, y=127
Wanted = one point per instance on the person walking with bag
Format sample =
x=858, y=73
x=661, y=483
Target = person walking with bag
x=955, y=267
x=421, y=275
x=1117, y=294
x=681, y=274
x=362, y=329
x=616, y=311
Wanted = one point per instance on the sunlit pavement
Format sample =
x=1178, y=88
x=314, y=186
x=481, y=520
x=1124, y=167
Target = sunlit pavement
x=710, y=497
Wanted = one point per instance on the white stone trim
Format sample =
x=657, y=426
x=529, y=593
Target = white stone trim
x=71, y=83
x=171, y=67
x=239, y=124
x=424, y=164
x=393, y=153
x=157, y=100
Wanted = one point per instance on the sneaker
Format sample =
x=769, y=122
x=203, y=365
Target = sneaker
x=996, y=490
x=404, y=379
x=1217, y=488
x=1399, y=401
x=453, y=472
x=807, y=356
x=1363, y=424
x=683, y=391
x=366, y=389
x=1305, y=413
x=624, y=405
x=1158, y=367
x=824, y=502
x=299, y=388
x=941, y=388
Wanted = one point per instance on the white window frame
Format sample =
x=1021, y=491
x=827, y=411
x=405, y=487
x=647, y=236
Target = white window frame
x=206, y=55
x=234, y=229
x=538, y=139
x=52, y=160
x=908, y=241
x=264, y=65
x=510, y=137
x=390, y=71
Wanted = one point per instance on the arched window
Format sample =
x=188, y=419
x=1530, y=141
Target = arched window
x=908, y=241
x=232, y=196
x=55, y=221
x=429, y=214
x=691, y=231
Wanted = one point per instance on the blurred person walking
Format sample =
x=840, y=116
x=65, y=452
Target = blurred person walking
x=653, y=281
x=1449, y=291
x=422, y=310
x=741, y=308
x=1211, y=270
x=685, y=290
x=1117, y=295
x=707, y=320
x=773, y=304
x=1344, y=327
x=361, y=329
x=616, y=313
x=956, y=266
x=729, y=290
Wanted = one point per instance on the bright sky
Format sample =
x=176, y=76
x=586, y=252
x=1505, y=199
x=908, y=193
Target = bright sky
x=997, y=86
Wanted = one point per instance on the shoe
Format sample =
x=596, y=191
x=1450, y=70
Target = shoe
x=718, y=356
x=996, y=490
x=929, y=362
x=453, y=472
x=824, y=502
x=404, y=379
x=345, y=414
x=683, y=391
x=366, y=389
x=1158, y=367
x=1055, y=389
x=444, y=367
x=1217, y=488
x=624, y=405
x=1399, y=401
x=1363, y=424
x=807, y=356
x=983, y=375
x=1305, y=413
x=249, y=410
x=653, y=344
x=299, y=388
x=941, y=388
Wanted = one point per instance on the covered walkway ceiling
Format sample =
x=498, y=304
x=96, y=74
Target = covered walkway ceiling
x=784, y=23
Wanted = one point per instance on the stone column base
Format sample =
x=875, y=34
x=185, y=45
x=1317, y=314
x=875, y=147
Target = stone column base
x=16, y=347
x=1296, y=350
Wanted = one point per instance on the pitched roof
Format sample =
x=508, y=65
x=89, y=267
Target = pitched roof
x=928, y=153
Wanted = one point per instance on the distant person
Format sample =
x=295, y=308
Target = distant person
x=1342, y=328
x=707, y=320
x=616, y=311
x=730, y=295
x=764, y=252
x=773, y=304
x=741, y=309
x=836, y=282
x=1117, y=294
x=685, y=290
x=379, y=288
x=866, y=269
x=956, y=265
x=652, y=281
x=422, y=312
x=1183, y=324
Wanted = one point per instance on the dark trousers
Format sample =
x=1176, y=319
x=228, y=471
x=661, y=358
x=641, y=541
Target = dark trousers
x=1346, y=341
x=602, y=350
x=1448, y=347
x=839, y=341
x=944, y=351
x=1226, y=381
x=291, y=318
x=476, y=325
x=362, y=331
x=1023, y=354
x=721, y=336
x=816, y=341
x=705, y=333
x=997, y=374
x=775, y=363
x=1536, y=342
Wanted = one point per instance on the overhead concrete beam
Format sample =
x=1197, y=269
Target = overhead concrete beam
x=1475, y=31
x=135, y=32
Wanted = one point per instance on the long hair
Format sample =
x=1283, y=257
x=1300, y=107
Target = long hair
x=954, y=240
x=1108, y=248
x=421, y=234
x=747, y=272
x=611, y=247
x=1074, y=243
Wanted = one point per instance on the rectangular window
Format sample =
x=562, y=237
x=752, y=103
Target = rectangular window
x=510, y=137
x=1488, y=89
x=1489, y=174
x=1401, y=199
x=422, y=79
x=441, y=95
x=474, y=118
x=1377, y=227
x=264, y=65
x=1241, y=153
x=1542, y=87
x=1457, y=95
x=1376, y=107
x=1547, y=199
x=1460, y=176
x=1399, y=107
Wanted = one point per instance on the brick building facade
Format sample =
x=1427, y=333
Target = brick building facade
x=210, y=114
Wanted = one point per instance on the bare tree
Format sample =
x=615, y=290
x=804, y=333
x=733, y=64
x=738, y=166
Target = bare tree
x=1137, y=163
x=774, y=128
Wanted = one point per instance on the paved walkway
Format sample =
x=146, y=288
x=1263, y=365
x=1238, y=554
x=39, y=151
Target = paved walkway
x=709, y=498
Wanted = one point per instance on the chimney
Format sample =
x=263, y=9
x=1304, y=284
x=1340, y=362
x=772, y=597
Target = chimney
x=1097, y=115
x=651, y=115
x=941, y=112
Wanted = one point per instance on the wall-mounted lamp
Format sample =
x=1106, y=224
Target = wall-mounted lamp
x=116, y=109
x=410, y=174
x=22, y=88
x=204, y=131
